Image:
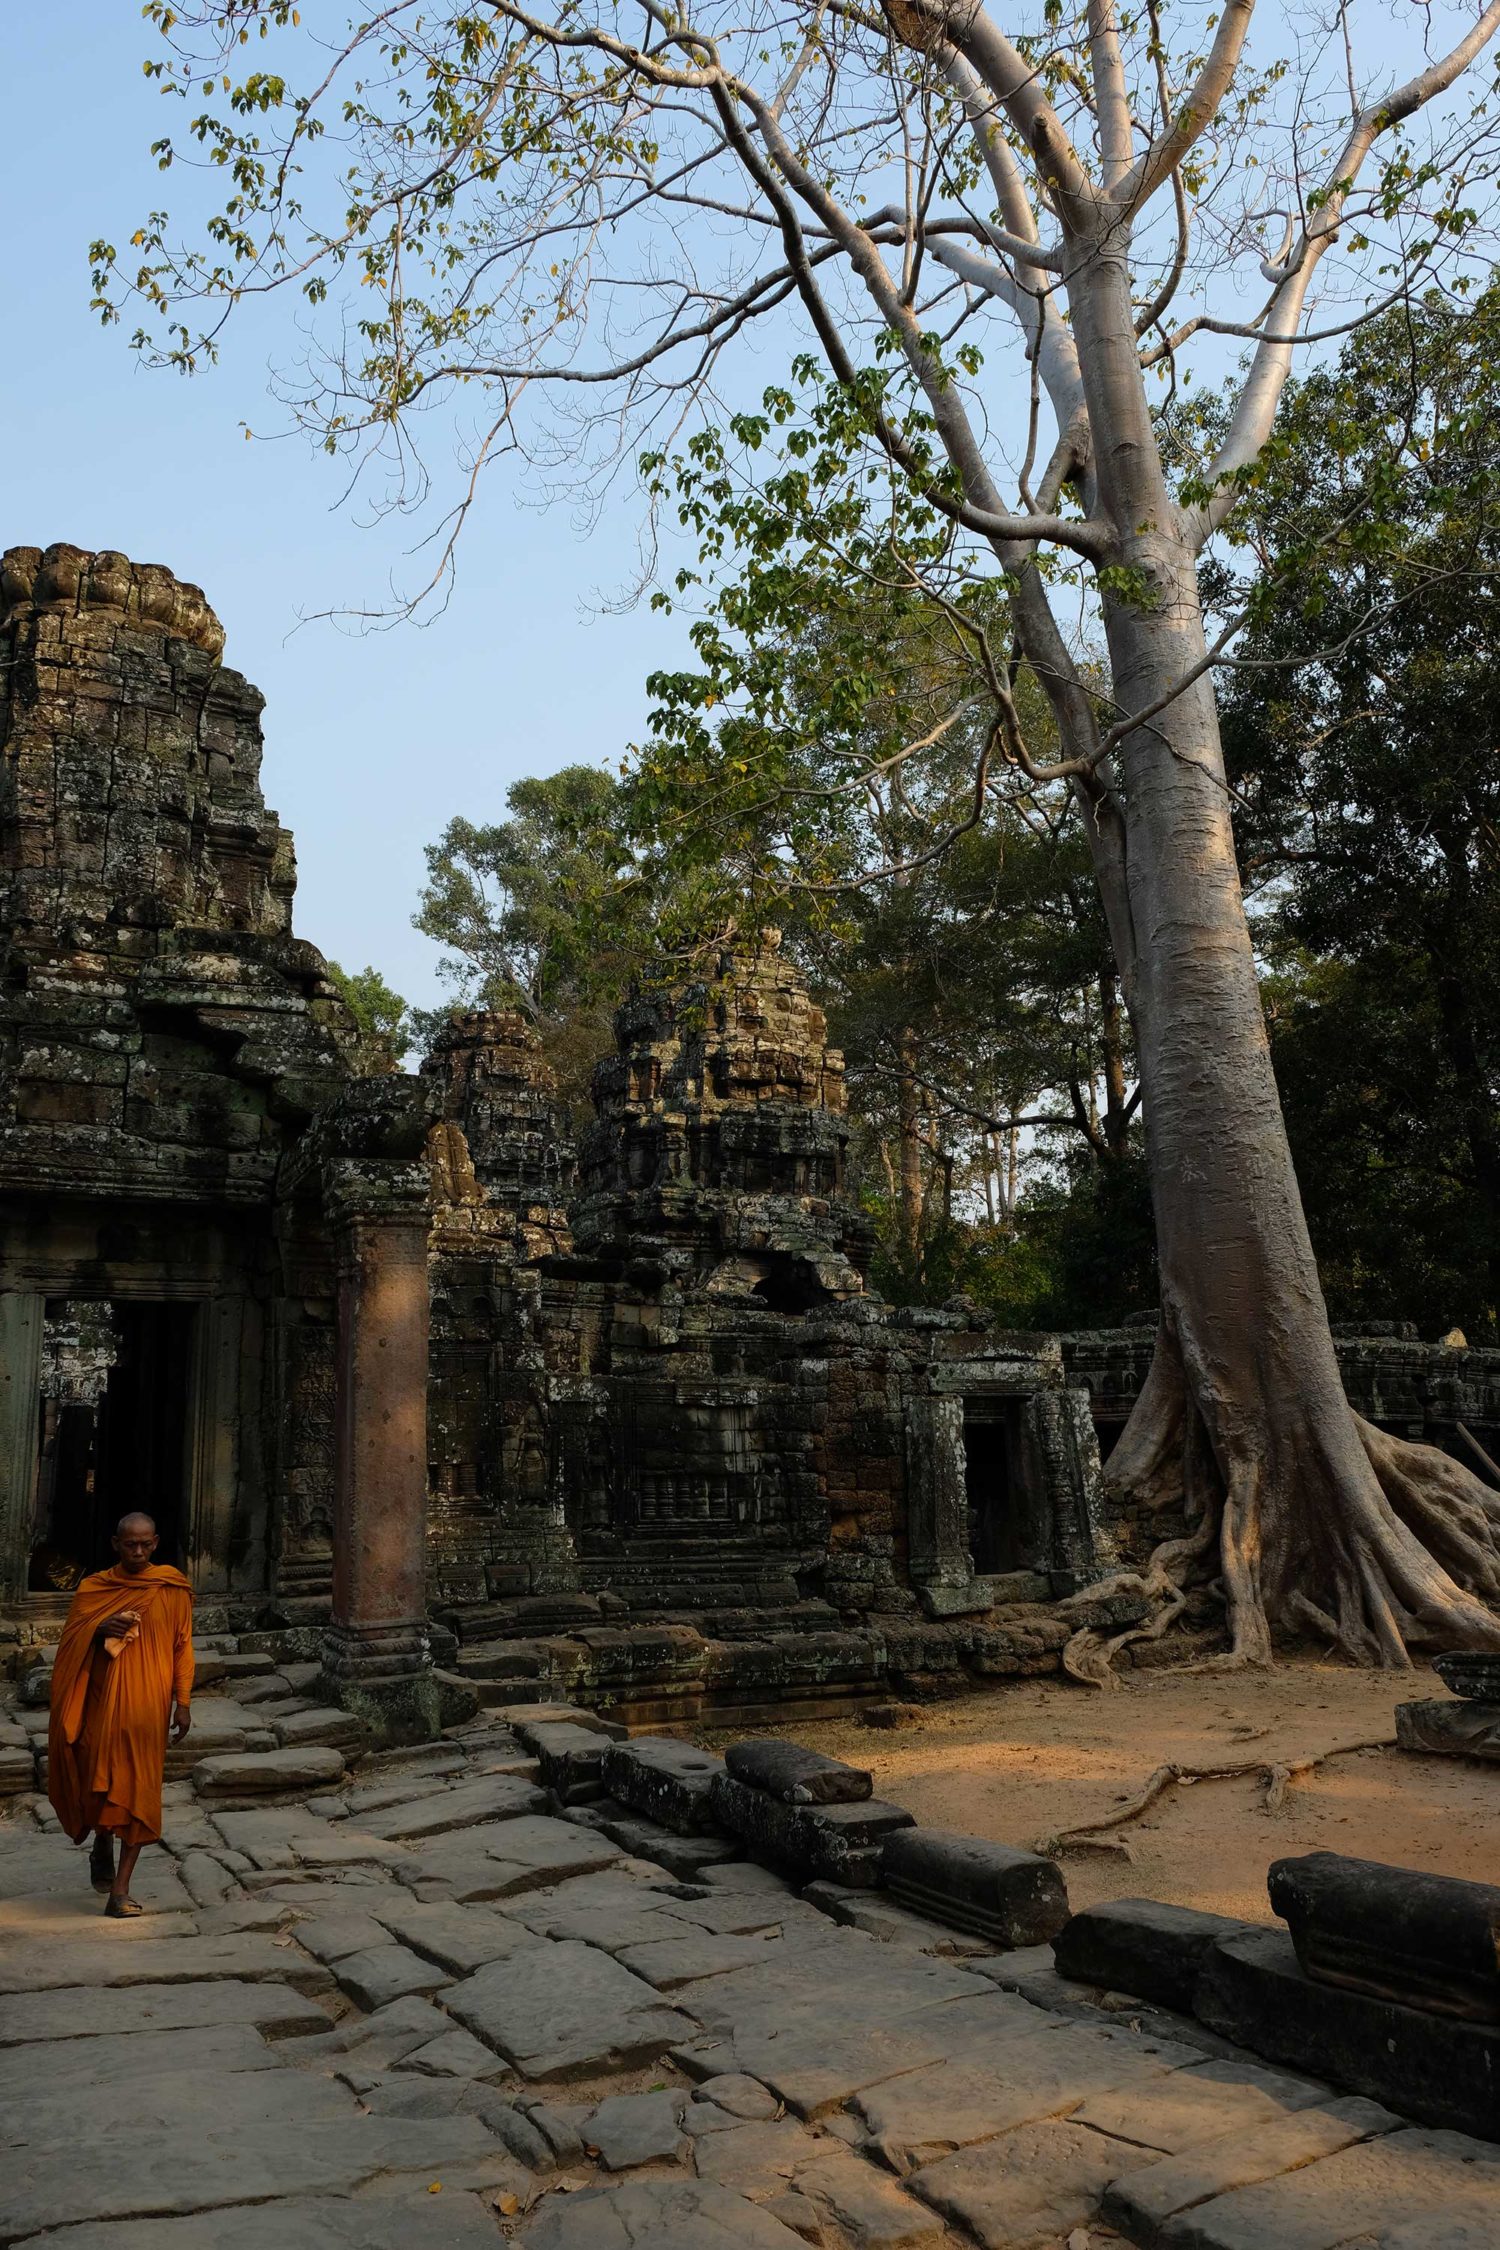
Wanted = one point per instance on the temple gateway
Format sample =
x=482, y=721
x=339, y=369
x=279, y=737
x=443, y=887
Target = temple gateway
x=402, y=1372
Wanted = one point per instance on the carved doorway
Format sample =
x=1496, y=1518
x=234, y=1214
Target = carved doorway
x=112, y=1432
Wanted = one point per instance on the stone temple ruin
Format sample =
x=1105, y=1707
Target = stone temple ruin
x=402, y=1371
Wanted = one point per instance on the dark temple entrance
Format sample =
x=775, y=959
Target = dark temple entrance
x=112, y=1420
x=998, y=1540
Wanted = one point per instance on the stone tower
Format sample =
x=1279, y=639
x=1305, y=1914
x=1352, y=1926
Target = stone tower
x=718, y=1156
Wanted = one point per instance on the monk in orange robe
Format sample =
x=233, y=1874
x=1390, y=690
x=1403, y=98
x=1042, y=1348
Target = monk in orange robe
x=124, y=1674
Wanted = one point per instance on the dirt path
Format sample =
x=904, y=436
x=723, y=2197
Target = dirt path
x=1021, y=1761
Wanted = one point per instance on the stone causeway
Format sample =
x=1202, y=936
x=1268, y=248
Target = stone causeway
x=534, y=1983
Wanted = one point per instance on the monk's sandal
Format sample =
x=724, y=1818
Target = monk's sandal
x=121, y=1909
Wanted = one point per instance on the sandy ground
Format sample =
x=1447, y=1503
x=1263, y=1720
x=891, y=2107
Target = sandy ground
x=1021, y=1761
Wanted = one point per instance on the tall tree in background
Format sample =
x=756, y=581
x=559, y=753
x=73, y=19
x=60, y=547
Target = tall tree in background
x=998, y=229
x=1370, y=803
x=381, y=1018
x=545, y=912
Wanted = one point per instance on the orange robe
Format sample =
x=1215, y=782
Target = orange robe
x=107, y=1734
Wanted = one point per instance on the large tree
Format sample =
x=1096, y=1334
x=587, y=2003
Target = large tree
x=999, y=230
x=1369, y=791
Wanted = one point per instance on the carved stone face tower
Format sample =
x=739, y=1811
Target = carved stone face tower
x=719, y=1152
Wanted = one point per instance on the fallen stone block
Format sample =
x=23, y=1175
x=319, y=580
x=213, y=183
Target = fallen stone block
x=686, y=1857
x=1012, y=1898
x=1438, y=2069
x=878, y=1918
x=1450, y=1729
x=524, y=1718
x=269, y=1772
x=570, y=1761
x=1140, y=1946
x=1427, y=1941
x=796, y=1775
x=1472, y=1673
x=840, y=1842
x=564, y=2011
x=669, y=1782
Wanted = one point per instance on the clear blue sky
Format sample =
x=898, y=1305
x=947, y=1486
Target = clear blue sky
x=373, y=741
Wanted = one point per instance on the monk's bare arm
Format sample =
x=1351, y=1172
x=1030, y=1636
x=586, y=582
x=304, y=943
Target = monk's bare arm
x=182, y=1671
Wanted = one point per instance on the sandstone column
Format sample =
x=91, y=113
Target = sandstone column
x=377, y=1659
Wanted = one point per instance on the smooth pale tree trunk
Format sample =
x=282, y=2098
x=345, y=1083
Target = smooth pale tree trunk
x=909, y=1146
x=1313, y=1517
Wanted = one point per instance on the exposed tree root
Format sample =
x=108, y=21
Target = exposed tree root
x=1090, y=1835
x=1302, y=1517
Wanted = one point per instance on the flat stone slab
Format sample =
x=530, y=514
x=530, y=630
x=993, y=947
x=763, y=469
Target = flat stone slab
x=1178, y=2109
x=266, y=1771
x=668, y=1961
x=867, y=2206
x=1008, y=2078
x=797, y=1776
x=1144, y=2200
x=413, y=2221
x=158, y=2174
x=194, y=2103
x=78, y=2013
x=1140, y=1946
x=1032, y=2185
x=382, y=1973
x=77, y=2066
x=1443, y=2185
x=494, y=1797
x=631, y=2129
x=335, y=1935
x=504, y=1858
x=656, y=2215
x=458, y=1938
x=104, y=1961
x=283, y=1838
x=563, y=2010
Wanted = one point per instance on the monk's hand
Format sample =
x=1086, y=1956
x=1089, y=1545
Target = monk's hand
x=115, y=1628
x=182, y=1719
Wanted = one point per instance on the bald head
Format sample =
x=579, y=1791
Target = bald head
x=134, y=1542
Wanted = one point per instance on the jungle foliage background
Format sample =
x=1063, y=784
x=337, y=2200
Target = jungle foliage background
x=999, y=1137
